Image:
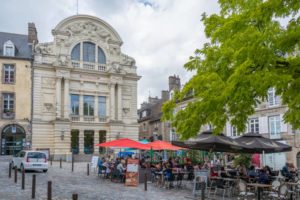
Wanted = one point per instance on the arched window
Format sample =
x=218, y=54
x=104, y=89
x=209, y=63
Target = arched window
x=8, y=48
x=88, y=53
x=101, y=56
x=75, y=55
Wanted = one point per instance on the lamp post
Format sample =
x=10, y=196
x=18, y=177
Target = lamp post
x=14, y=131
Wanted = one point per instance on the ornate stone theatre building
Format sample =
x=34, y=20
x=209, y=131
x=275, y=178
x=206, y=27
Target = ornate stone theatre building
x=84, y=88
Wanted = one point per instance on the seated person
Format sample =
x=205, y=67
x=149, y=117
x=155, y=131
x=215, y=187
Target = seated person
x=269, y=171
x=121, y=167
x=263, y=177
x=252, y=173
x=224, y=173
x=213, y=172
x=285, y=171
x=242, y=170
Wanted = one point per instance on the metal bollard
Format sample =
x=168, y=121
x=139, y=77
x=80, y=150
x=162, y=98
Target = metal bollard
x=9, y=171
x=16, y=174
x=88, y=169
x=51, y=158
x=60, y=164
x=49, y=191
x=23, y=179
x=146, y=182
x=75, y=197
x=72, y=162
x=33, y=186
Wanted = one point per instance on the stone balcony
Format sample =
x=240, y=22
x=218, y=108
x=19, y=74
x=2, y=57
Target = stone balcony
x=88, y=119
x=89, y=66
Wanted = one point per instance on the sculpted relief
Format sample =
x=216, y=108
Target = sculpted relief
x=45, y=48
x=87, y=28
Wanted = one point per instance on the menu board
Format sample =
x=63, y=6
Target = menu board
x=132, y=172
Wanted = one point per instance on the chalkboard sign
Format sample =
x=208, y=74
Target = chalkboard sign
x=94, y=162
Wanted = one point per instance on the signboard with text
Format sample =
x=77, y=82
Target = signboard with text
x=132, y=172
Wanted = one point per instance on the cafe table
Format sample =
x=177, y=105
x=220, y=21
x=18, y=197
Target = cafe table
x=259, y=187
x=292, y=186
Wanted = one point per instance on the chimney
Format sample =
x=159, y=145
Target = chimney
x=32, y=34
x=174, y=83
x=165, y=95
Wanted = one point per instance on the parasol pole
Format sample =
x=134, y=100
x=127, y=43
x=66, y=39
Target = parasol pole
x=263, y=159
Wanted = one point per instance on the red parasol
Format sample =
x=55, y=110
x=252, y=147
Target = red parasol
x=162, y=145
x=124, y=143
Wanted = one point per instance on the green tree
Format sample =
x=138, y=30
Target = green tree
x=254, y=45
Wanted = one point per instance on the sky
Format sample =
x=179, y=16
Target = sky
x=160, y=35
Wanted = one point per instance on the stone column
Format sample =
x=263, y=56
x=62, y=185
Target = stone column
x=120, y=109
x=67, y=100
x=107, y=101
x=58, y=97
x=81, y=141
x=81, y=107
x=96, y=141
x=112, y=102
x=96, y=109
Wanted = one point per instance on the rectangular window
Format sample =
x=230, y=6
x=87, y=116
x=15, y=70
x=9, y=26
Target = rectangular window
x=254, y=125
x=102, y=106
x=8, y=105
x=272, y=98
x=75, y=104
x=274, y=126
x=88, y=52
x=233, y=131
x=9, y=73
x=9, y=51
x=88, y=105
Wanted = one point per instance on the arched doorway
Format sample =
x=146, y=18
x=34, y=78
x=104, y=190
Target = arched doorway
x=12, y=139
x=298, y=160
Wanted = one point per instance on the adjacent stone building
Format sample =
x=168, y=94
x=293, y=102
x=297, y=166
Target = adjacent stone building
x=16, y=90
x=268, y=121
x=85, y=88
x=150, y=113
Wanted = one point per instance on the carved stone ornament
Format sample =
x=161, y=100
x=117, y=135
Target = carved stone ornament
x=48, y=106
x=44, y=48
x=88, y=28
x=63, y=60
x=127, y=60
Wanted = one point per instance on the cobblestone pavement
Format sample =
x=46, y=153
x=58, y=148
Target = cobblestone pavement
x=65, y=183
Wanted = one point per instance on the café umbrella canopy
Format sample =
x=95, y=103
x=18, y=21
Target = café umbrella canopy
x=124, y=143
x=207, y=141
x=256, y=143
x=162, y=145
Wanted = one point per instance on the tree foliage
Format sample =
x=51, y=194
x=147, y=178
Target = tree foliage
x=254, y=45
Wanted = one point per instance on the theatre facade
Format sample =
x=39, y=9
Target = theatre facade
x=84, y=88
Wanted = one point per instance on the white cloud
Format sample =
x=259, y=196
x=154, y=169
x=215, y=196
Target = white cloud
x=159, y=34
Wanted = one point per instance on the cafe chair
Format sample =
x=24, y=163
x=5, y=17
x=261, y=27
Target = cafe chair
x=243, y=192
x=274, y=190
x=282, y=193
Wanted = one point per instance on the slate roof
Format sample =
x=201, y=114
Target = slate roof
x=23, y=49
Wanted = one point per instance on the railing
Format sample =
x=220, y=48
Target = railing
x=102, y=119
x=101, y=67
x=75, y=118
x=88, y=118
x=8, y=115
x=75, y=64
x=88, y=66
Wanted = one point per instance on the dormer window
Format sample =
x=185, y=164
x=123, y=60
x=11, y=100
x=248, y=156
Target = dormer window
x=8, y=48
